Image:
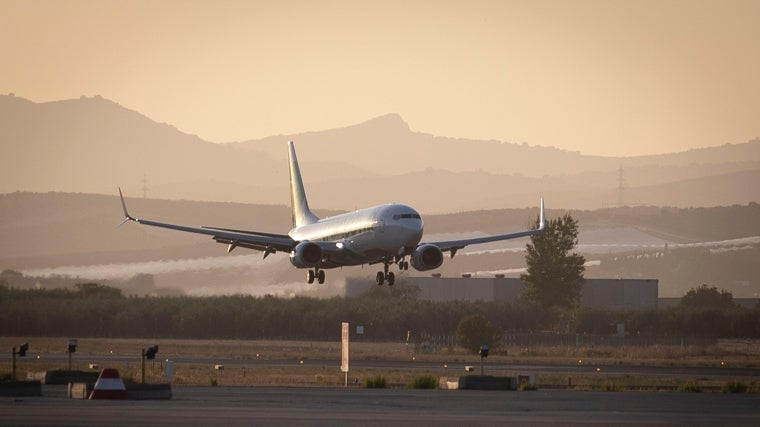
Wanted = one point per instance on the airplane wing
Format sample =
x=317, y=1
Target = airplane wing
x=454, y=245
x=266, y=242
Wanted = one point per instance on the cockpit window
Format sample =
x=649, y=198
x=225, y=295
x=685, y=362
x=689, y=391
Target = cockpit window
x=406, y=216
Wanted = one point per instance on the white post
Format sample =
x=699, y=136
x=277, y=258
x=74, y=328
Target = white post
x=344, y=351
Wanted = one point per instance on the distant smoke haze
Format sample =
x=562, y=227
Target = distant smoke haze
x=518, y=271
x=128, y=270
x=224, y=275
x=604, y=247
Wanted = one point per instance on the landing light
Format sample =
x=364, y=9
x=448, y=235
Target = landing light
x=339, y=245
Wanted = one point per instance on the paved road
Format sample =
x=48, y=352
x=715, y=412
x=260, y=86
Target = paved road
x=199, y=406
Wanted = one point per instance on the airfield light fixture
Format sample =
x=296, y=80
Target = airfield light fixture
x=483, y=352
x=21, y=352
x=150, y=353
x=71, y=349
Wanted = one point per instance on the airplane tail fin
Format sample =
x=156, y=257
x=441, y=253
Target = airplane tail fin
x=301, y=213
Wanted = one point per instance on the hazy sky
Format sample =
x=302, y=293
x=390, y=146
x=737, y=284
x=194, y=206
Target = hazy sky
x=601, y=77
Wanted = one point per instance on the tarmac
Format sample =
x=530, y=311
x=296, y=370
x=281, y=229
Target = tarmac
x=202, y=406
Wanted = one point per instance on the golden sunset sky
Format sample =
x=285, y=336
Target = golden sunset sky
x=602, y=77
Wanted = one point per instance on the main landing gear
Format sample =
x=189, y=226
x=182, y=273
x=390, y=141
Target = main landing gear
x=315, y=274
x=388, y=276
x=382, y=277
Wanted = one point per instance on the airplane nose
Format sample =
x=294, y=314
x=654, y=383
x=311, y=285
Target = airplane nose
x=414, y=232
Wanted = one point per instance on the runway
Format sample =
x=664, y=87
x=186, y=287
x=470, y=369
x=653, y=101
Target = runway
x=200, y=406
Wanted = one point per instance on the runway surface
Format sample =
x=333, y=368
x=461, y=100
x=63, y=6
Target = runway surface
x=201, y=406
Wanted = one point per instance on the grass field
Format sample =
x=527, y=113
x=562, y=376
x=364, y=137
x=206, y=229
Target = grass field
x=306, y=371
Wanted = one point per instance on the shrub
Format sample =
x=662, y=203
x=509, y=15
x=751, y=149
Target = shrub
x=128, y=377
x=735, y=387
x=424, y=381
x=377, y=382
x=690, y=388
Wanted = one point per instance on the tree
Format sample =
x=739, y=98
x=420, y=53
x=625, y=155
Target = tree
x=475, y=330
x=704, y=297
x=96, y=290
x=555, y=276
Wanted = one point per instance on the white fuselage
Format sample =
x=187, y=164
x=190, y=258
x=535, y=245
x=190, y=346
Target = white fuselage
x=367, y=235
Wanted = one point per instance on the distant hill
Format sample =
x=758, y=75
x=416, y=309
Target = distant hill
x=93, y=145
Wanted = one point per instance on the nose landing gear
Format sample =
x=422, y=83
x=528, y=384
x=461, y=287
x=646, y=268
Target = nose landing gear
x=389, y=276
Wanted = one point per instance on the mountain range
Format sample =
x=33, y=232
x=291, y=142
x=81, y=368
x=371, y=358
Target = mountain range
x=93, y=145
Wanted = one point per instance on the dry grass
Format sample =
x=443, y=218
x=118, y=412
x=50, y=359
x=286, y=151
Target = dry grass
x=300, y=366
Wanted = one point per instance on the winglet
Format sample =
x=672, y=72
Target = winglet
x=542, y=218
x=127, y=217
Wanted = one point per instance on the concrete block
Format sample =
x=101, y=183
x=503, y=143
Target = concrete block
x=448, y=383
x=21, y=388
x=476, y=382
x=137, y=391
x=80, y=390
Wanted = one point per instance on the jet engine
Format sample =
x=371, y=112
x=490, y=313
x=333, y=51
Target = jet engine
x=427, y=257
x=306, y=255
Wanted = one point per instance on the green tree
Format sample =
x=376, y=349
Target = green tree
x=708, y=297
x=475, y=330
x=555, y=275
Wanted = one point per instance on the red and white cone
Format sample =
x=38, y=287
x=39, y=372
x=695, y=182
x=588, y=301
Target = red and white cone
x=109, y=386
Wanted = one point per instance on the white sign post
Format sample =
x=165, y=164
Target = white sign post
x=344, y=351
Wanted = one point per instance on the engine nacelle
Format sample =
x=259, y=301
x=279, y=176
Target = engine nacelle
x=427, y=257
x=306, y=255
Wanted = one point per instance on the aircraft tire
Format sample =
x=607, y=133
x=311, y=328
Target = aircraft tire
x=391, y=278
x=380, y=278
x=310, y=276
x=321, y=277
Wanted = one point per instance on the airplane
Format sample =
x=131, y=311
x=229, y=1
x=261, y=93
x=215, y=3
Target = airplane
x=386, y=234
